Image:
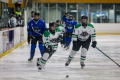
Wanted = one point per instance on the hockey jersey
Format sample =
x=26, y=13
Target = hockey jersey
x=36, y=28
x=69, y=24
x=62, y=28
x=51, y=39
x=83, y=33
x=13, y=22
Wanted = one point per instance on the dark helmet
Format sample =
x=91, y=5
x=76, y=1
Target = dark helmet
x=58, y=21
x=36, y=14
x=71, y=16
x=51, y=24
x=84, y=17
x=32, y=12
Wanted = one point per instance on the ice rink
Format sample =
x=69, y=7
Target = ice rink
x=15, y=66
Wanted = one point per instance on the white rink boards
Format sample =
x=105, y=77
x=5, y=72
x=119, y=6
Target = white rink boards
x=15, y=66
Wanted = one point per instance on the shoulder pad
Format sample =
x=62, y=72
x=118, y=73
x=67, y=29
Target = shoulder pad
x=58, y=29
x=90, y=25
x=77, y=26
x=46, y=33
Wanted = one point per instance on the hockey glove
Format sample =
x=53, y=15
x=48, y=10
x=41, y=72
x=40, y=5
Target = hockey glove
x=94, y=43
x=60, y=38
x=66, y=14
x=50, y=48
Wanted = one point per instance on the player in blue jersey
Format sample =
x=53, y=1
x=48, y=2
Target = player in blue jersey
x=70, y=24
x=36, y=28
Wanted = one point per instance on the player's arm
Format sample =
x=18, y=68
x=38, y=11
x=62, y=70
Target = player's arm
x=46, y=39
x=75, y=23
x=62, y=28
x=29, y=29
x=75, y=32
x=60, y=37
x=93, y=36
x=44, y=27
x=65, y=19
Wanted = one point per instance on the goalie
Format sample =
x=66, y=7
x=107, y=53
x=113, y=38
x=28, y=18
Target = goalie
x=51, y=38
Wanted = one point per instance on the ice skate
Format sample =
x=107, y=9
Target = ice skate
x=82, y=65
x=67, y=63
x=30, y=59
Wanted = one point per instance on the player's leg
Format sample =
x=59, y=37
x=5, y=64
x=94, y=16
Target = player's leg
x=28, y=39
x=76, y=47
x=61, y=42
x=42, y=61
x=54, y=50
x=68, y=40
x=84, y=50
x=41, y=48
x=33, y=46
x=64, y=39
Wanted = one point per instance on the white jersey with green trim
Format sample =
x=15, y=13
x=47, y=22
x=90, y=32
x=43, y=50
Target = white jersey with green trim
x=62, y=28
x=83, y=33
x=51, y=39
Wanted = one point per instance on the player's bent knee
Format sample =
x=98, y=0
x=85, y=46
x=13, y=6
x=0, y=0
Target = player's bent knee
x=73, y=51
x=84, y=50
x=45, y=56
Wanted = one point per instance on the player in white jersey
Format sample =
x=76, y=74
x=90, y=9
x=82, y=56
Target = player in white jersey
x=83, y=34
x=62, y=28
x=51, y=38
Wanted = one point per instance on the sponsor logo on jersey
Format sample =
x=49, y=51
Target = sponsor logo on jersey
x=84, y=33
x=54, y=40
x=37, y=29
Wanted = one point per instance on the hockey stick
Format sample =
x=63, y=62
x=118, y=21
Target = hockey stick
x=36, y=32
x=108, y=56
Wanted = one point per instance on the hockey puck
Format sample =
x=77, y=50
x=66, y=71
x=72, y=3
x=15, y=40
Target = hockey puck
x=67, y=76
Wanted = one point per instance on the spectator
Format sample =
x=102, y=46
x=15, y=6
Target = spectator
x=13, y=20
x=31, y=17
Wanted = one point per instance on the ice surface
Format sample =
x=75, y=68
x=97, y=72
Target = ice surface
x=15, y=66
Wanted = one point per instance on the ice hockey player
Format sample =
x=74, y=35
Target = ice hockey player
x=83, y=34
x=36, y=28
x=51, y=38
x=62, y=28
x=70, y=24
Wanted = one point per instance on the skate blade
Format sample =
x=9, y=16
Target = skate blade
x=64, y=49
x=29, y=61
x=82, y=67
x=43, y=67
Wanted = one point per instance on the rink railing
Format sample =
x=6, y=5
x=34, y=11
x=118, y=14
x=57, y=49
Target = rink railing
x=12, y=38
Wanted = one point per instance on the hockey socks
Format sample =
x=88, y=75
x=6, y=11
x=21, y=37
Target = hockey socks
x=71, y=56
x=43, y=60
x=83, y=54
x=67, y=41
x=33, y=46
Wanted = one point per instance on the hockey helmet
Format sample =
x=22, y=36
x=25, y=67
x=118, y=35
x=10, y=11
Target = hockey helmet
x=84, y=17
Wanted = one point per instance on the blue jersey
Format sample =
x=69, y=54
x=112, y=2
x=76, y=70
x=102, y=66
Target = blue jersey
x=69, y=24
x=36, y=27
